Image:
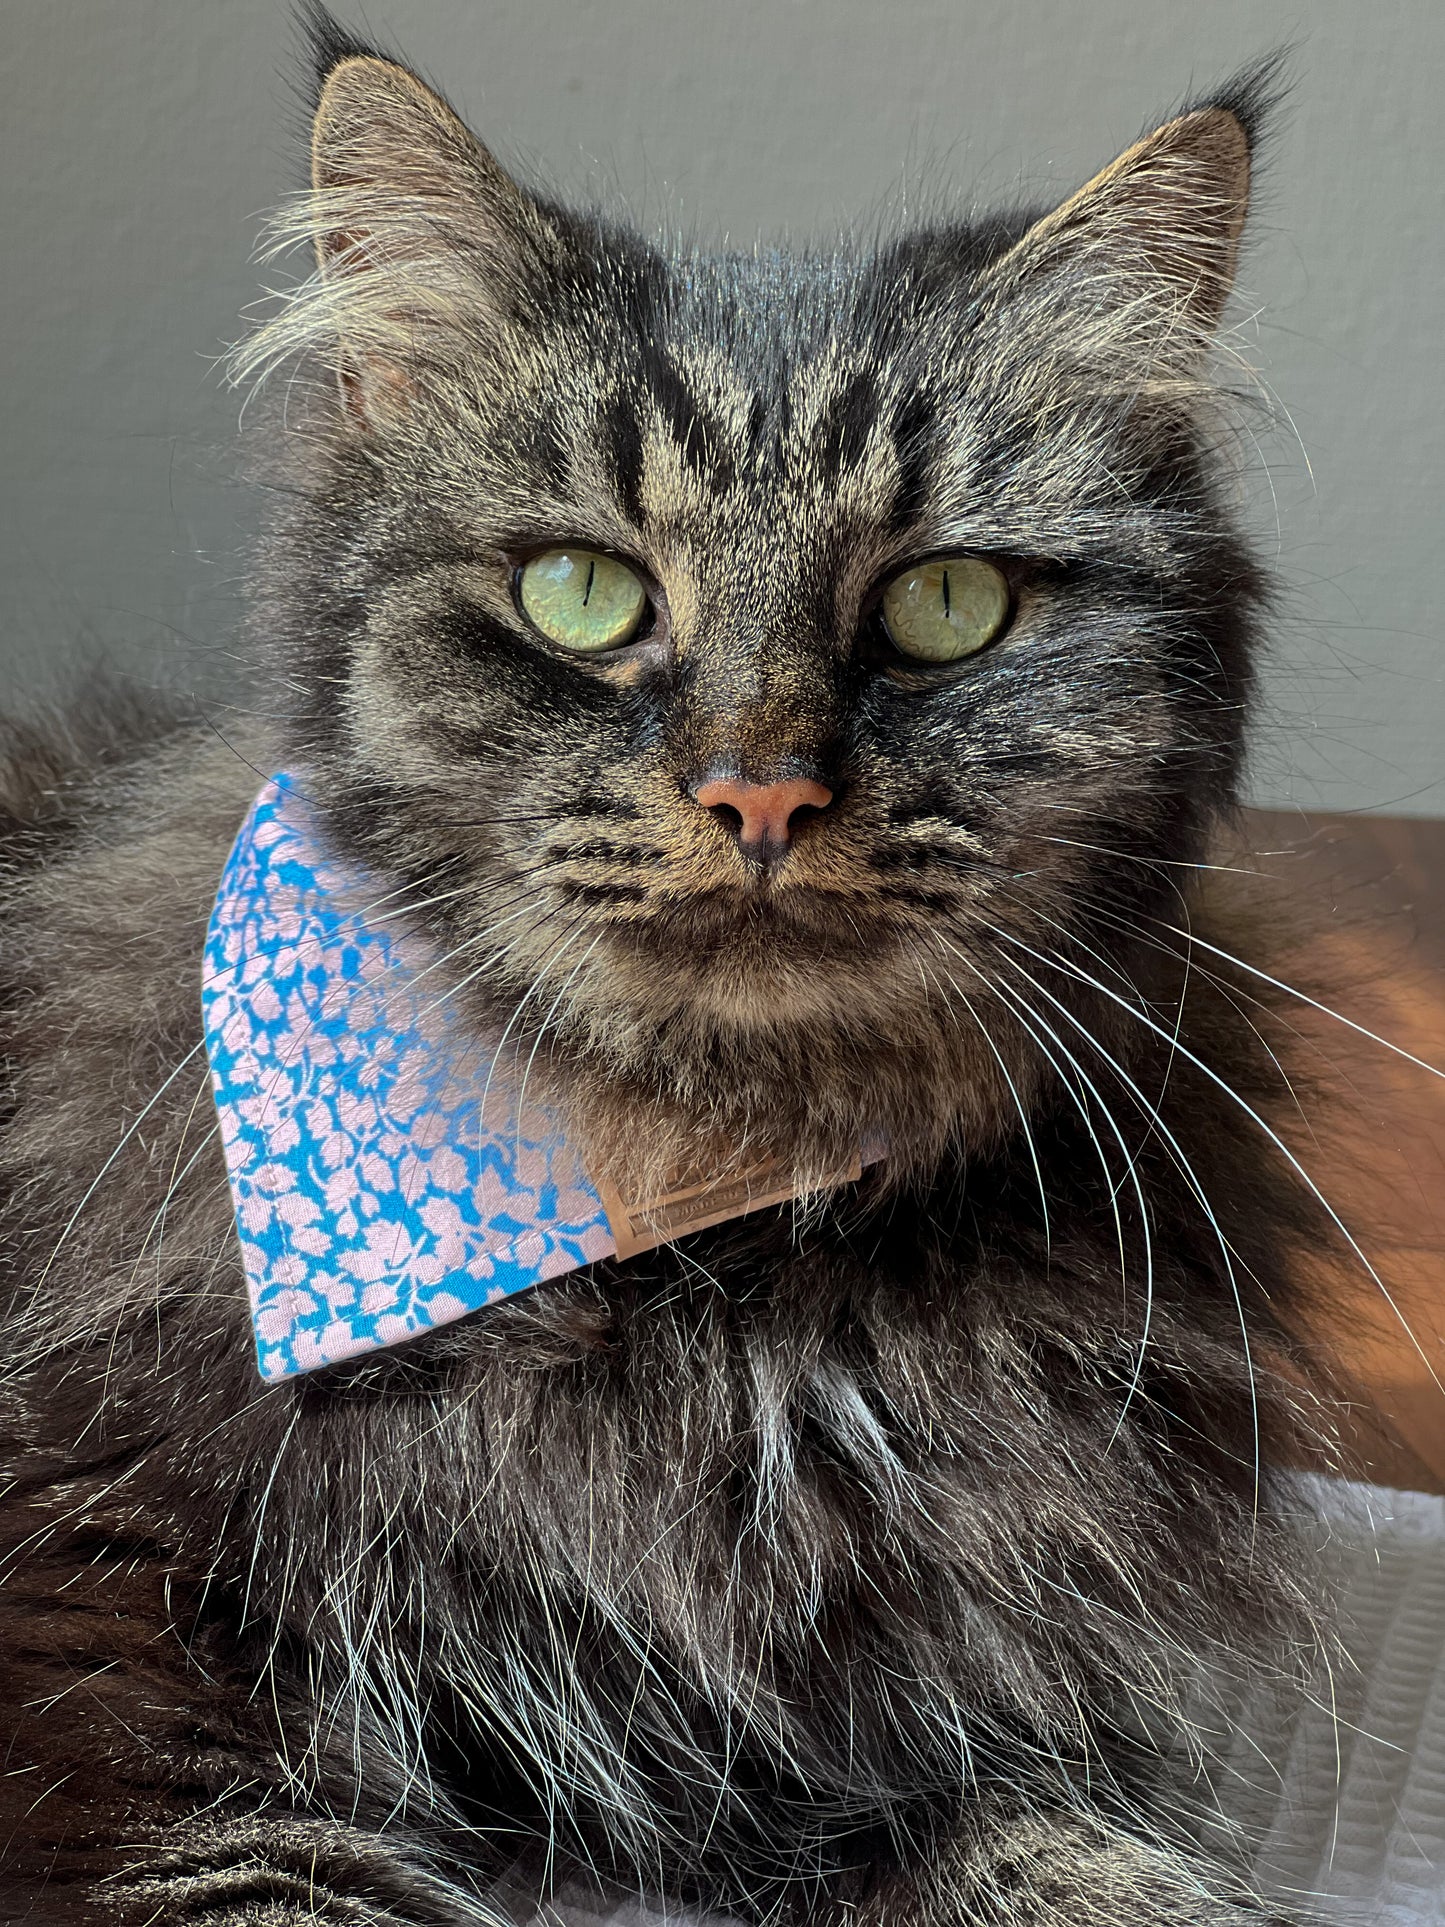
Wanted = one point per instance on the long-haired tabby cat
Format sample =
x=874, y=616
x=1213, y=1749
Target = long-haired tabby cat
x=788, y=697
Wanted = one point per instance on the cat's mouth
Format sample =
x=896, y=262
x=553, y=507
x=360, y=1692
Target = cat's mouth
x=766, y=902
x=763, y=931
x=683, y=932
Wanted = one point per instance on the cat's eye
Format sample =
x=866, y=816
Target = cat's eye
x=582, y=600
x=943, y=610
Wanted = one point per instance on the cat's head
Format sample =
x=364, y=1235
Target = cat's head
x=738, y=653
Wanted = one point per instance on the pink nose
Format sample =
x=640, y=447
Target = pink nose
x=762, y=816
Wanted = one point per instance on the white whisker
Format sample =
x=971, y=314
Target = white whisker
x=1018, y=1106
x=1153, y=1113
x=1274, y=1137
x=1029, y=1017
x=1278, y=983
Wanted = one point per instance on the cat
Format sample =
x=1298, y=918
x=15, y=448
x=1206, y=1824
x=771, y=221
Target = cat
x=788, y=697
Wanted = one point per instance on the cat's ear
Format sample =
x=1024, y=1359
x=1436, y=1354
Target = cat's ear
x=422, y=241
x=1153, y=240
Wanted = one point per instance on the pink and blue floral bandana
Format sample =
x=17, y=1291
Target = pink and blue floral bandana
x=384, y=1178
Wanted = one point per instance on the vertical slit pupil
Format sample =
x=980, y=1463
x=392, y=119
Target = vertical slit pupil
x=587, y=592
x=947, y=605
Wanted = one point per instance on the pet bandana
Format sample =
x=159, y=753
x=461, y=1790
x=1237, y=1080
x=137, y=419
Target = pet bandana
x=388, y=1170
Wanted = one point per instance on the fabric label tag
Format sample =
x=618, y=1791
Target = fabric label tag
x=692, y=1202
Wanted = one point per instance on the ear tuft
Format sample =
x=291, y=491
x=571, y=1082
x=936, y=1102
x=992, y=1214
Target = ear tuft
x=1158, y=231
x=423, y=243
x=325, y=43
x=1255, y=96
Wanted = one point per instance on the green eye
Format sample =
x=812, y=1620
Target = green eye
x=944, y=610
x=585, y=601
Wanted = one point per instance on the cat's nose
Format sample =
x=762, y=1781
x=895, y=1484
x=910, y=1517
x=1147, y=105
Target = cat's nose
x=764, y=817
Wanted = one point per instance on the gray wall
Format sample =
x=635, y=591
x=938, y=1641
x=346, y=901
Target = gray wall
x=139, y=139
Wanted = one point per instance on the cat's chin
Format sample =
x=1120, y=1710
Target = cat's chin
x=749, y=965
x=765, y=933
x=801, y=1055
x=817, y=1099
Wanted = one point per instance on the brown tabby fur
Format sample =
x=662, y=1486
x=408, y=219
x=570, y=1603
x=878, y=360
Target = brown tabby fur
x=846, y=1565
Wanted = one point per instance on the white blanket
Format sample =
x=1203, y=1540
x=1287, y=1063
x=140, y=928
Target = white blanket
x=1342, y=1797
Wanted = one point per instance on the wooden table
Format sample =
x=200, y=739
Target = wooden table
x=1372, y=889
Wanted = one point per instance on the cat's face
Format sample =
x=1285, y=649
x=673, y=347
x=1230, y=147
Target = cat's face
x=761, y=837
